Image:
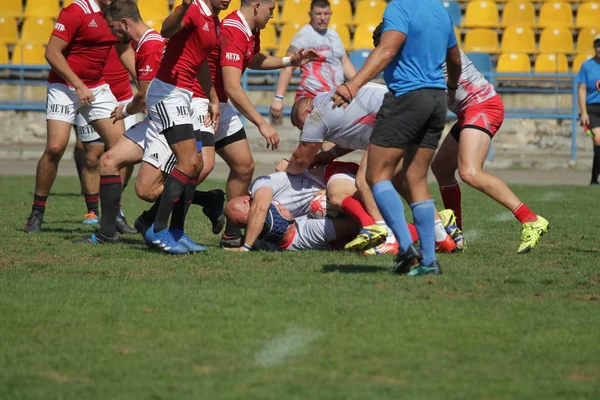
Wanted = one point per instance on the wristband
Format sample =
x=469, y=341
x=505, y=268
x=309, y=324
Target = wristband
x=278, y=97
x=286, y=61
x=125, y=113
x=453, y=88
x=246, y=247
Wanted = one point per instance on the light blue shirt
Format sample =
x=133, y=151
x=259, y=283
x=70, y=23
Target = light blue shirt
x=589, y=74
x=429, y=34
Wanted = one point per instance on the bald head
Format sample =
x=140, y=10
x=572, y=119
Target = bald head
x=300, y=111
x=237, y=210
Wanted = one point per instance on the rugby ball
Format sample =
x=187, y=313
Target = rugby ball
x=321, y=208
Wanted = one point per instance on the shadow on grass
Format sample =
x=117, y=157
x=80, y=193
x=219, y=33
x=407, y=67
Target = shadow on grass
x=353, y=269
x=51, y=230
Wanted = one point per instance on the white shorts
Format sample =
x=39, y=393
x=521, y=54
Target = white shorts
x=86, y=133
x=157, y=152
x=137, y=133
x=229, y=122
x=62, y=104
x=313, y=234
x=168, y=105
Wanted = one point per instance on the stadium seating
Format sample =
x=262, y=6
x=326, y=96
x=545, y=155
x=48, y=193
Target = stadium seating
x=8, y=31
x=454, y=10
x=588, y=15
x=344, y=33
x=559, y=40
x=363, y=36
x=295, y=11
x=517, y=39
x=578, y=60
x=36, y=30
x=285, y=37
x=234, y=5
x=3, y=54
x=358, y=58
x=551, y=63
x=585, y=40
x=341, y=12
x=154, y=10
x=268, y=38
x=513, y=63
x=67, y=2
x=518, y=13
x=481, y=40
x=155, y=24
x=481, y=14
x=555, y=14
x=369, y=12
x=482, y=61
x=42, y=8
x=457, y=34
x=28, y=54
x=12, y=8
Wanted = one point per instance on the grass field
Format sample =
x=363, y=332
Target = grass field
x=121, y=322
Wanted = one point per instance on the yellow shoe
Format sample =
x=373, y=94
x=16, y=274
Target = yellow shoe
x=368, y=236
x=383, y=248
x=531, y=234
x=449, y=221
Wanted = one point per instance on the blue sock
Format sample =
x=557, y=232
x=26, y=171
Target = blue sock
x=391, y=207
x=423, y=213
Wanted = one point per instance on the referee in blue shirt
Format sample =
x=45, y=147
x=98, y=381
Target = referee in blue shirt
x=589, y=103
x=418, y=36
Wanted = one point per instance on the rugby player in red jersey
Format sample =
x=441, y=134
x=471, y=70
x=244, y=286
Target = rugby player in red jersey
x=77, y=52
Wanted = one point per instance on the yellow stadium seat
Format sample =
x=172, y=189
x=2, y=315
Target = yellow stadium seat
x=42, y=8
x=155, y=24
x=12, y=8
x=36, y=30
x=4, y=54
x=8, y=30
x=29, y=54
x=517, y=39
x=551, y=63
x=557, y=13
x=68, y=2
x=341, y=12
x=236, y=4
x=457, y=34
x=344, y=33
x=588, y=15
x=556, y=40
x=285, y=37
x=513, y=63
x=481, y=40
x=154, y=9
x=268, y=38
x=363, y=36
x=585, y=40
x=369, y=12
x=481, y=14
x=295, y=11
x=518, y=13
x=580, y=59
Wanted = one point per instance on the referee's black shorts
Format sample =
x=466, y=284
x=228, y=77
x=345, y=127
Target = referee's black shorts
x=416, y=117
x=593, y=111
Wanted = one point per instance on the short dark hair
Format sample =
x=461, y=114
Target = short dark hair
x=120, y=9
x=296, y=109
x=319, y=3
x=250, y=2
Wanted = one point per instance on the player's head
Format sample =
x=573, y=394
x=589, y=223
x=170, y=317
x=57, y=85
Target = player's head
x=237, y=210
x=320, y=15
x=300, y=111
x=218, y=5
x=377, y=34
x=597, y=46
x=263, y=11
x=120, y=16
x=104, y=3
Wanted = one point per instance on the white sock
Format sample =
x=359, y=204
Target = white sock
x=440, y=232
x=390, y=234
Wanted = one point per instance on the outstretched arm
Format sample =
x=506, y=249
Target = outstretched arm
x=261, y=200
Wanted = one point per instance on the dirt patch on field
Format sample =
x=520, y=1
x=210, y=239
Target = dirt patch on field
x=61, y=377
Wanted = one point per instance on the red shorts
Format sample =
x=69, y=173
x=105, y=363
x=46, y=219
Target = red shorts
x=340, y=167
x=486, y=117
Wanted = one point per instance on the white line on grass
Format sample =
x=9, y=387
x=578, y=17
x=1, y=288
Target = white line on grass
x=503, y=217
x=471, y=235
x=281, y=348
x=551, y=196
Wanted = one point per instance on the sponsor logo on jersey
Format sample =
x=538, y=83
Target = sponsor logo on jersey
x=59, y=27
x=146, y=70
x=92, y=24
x=232, y=56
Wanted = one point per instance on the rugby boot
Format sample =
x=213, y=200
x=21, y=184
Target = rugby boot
x=90, y=219
x=368, y=236
x=215, y=212
x=184, y=240
x=98, y=238
x=383, y=248
x=230, y=241
x=432, y=269
x=165, y=241
x=405, y=261
x=445, y=246
x=531, y=233
x=123, y=226
x=449, y=221
x=34, y=222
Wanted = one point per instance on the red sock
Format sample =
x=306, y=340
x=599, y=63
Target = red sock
x=414, y=234
x=451, y=199
x=356, y=210
x=524, y=214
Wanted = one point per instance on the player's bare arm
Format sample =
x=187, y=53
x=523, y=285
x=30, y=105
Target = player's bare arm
x=232, y=78
x=325, y=157
x=391, y=43
x=205, y=81
x=285, y=76
x=303, y=156
x=454, y=67
x=264, y=61
x=174, y=22
x=136, y=105
x=127, y=57
x=58, y=62
x=348, y=67
x=261, y=200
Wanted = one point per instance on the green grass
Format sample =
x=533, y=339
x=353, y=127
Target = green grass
x=121, y=322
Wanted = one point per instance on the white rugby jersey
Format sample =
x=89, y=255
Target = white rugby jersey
x=294, y=192
x=349, y=128
x=473, y=88
x=323, y=74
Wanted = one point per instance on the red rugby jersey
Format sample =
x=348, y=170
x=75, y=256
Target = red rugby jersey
x=148, y=53
x=117, y=77
x=238, y=44
x=188, y=48
x=82, y=26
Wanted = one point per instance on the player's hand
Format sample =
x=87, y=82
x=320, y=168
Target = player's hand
x=451, y=96
x=343, y=95
x=320, y=193
x=276, y=108
x=322, y=158
x=85, y=95
x=585, y=119
x=302, y=57
x=270, y=134
x=282, y=165
x=214, y=111
x=117, y=113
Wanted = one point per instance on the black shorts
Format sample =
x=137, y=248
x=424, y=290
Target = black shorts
x=414, y=118
x=207, y=138
x=236, y=137
x=593, y=111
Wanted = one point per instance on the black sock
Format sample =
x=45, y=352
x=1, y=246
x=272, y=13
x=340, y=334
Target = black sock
x=204, y=199
x=150, y=215
x=174, y=188
x=232, y=230
x=79, y=156
x=91, y=201
x=182, y=207
x=39, y=203
x=110, y=197
x=596, y=165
